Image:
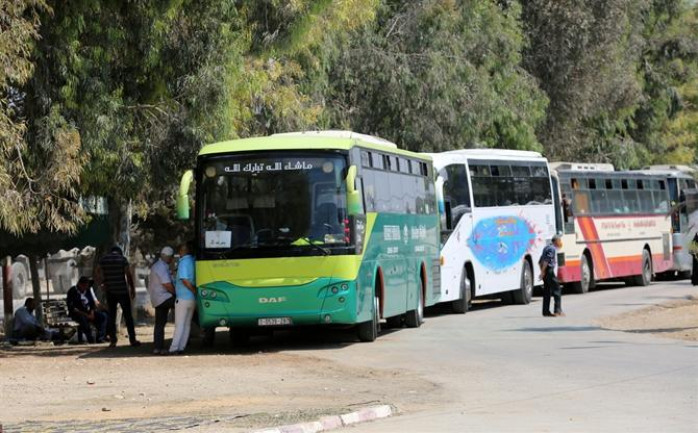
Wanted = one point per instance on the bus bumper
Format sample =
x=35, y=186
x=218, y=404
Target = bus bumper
x=322, y=301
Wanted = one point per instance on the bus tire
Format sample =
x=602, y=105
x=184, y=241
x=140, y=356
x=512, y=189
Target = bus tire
x=524, y=295
x=587, y=277
x=208, y=338
x=415, y=318
x=645, y=278
x=462, y=304
x=368, y=331
x=239, y=337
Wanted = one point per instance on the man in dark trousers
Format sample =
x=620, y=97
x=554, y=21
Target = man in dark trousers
x=117, y=283
x=162, y=297
x=548, y=265
x=82, y=307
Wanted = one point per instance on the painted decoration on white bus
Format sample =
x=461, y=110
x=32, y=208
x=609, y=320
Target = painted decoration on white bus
x=500, y=242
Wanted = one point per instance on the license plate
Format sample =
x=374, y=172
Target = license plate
x=274, y=321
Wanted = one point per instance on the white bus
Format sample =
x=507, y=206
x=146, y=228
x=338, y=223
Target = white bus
x=497, y=214
x=616, y=225
x=679, y=179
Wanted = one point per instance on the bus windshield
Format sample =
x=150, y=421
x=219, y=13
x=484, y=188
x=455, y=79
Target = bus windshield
x=273, y=204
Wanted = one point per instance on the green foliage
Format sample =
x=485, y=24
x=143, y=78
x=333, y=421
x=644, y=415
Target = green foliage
x=115, y=98
x=38, y=180
x=438, y=75
x=619, y=76
x=584, y=56
x=667, y=120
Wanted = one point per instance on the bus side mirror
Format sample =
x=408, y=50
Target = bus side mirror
x=183, y=195
x=354, y=199
x=449, y=215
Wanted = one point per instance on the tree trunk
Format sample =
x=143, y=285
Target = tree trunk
x=36, y=288
x=7, y=295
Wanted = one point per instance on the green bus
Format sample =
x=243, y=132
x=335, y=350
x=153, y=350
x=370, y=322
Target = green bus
x=312, y=228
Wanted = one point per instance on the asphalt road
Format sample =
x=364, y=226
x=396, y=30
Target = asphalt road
x=508, y=369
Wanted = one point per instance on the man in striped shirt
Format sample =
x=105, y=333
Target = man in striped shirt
x=117, y=283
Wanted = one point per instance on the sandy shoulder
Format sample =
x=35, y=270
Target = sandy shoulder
x=676, y=319
x=96, y=383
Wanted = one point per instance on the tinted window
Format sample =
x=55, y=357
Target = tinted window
x=387, y=191
x=377, y=161
x=505, y=185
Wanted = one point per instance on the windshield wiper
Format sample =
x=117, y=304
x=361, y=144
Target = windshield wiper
x=307, y=242
x=323, y=250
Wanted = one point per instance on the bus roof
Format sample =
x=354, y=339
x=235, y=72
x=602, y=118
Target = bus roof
x=581, y=166
x=494, y=153
x=669, y=172
x=308, y=140
x=456, y=156
x=671, y=168
x=627, y=174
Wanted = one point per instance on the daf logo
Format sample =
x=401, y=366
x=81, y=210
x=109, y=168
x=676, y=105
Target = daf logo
x=272, y=300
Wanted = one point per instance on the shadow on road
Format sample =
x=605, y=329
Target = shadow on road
x=658, y=330
x=558, y=329
x=272, y=342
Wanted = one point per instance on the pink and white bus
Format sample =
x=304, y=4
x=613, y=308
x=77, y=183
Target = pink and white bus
x=616, y=225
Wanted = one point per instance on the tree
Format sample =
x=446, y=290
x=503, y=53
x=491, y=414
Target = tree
x=667, y=118
x=584, y=56
x=38, y=179
x=144, y=83
x=438, y=75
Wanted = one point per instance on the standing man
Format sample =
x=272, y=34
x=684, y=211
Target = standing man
x=114, y=273
x=82, y=307
x=548, y=273
x=185, y=305
x=162, y=296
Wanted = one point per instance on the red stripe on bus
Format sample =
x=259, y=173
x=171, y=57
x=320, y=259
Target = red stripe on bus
x=589, y=232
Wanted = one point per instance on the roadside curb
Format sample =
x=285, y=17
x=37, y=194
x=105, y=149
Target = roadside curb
x=335, y=421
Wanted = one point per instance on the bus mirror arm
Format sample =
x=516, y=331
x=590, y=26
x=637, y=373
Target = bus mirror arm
x=449, y=215
x=183, y=195
x=354, y=199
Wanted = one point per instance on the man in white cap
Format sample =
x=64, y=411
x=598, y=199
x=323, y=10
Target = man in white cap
x=162, y=296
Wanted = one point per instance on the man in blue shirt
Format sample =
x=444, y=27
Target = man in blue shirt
x=27, y=327
x=548, y=272
x=185, y=305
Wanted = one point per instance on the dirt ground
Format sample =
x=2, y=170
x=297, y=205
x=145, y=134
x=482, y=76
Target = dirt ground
x=677, y=319
x=261, y=384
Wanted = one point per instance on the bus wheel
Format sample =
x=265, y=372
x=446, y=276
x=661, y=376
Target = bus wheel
x=462, y=304
x=645, y=278
x=414, y=318
x=368, y=331
x=239, y=337
x=525, y=293
x=585, y=283
x=209, y=337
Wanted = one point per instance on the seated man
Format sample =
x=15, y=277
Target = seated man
x=26, y=327
x=82, y=307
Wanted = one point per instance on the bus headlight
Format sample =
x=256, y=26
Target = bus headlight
x=214, y=295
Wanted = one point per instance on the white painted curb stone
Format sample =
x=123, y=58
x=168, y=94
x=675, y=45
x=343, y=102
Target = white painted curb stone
x=334, y=422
